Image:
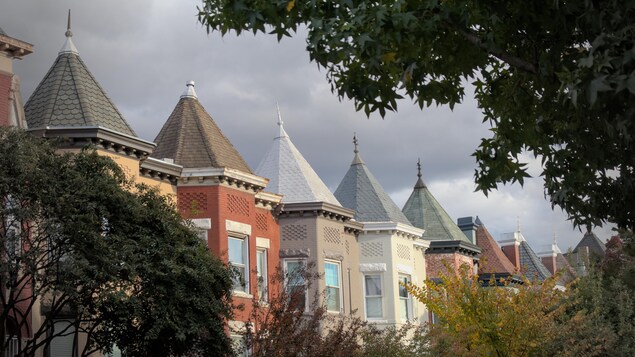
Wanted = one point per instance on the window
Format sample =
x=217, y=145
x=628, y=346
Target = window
x=238, y=345
x=373, y=290
x=202, y=235
x=63, y=342
x=238, y=260
x=296, y=282
x=333, y=279
x=261, y=268
x=405, y=300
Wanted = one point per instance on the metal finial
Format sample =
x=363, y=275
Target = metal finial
x=355, y=143
x=68, y=25
x=555, y=238
x=518, y=222
x=419, y=167
x=280, y=122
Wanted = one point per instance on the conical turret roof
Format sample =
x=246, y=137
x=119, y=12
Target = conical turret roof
x=425, y=212
x=360, y=191
x=192, y=139
x=493, y=260
x=593, y=242
x=70, y=96
x=290, y=174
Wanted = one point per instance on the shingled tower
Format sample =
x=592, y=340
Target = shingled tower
x=224, y=199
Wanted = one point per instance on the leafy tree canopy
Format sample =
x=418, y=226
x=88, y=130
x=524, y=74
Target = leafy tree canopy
x=553, y=78
x=81, y=242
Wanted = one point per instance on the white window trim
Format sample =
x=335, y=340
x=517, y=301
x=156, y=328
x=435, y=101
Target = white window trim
x=265, y=277
x=286, y=270
x=245, y=239
x=339, y=279
x=381, y=284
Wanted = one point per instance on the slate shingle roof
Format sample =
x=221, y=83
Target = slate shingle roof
x=593, y=242
x=192, y=139
x=424, y=211
x=69, y=96
x=291, y=175
x=360, y=191
x=493, y=260
x=530, y=265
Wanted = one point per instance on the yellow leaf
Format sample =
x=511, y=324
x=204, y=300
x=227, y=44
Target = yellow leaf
x=389, y=57
x=290, y=5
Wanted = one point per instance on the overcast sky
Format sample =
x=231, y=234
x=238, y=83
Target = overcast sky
x=142, y=52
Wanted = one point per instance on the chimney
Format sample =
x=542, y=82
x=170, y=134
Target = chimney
x=548, y=256
x=509, y=244
x=468, y=226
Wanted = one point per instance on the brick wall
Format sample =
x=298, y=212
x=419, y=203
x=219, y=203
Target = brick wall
x=437, y=263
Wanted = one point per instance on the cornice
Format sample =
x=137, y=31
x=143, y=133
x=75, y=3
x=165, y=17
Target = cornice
x=268, y=200
x=15, y=48
x=453, y=246
x=102, y=138
x=324, y=209
x=155, y=168
x=223, y=176
x=394, y=228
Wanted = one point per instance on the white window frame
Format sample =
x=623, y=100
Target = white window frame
x=263, y=281
x=245, y=266
x=407, y=299
x=339, y=280
x=287, y=282
x=380, y=297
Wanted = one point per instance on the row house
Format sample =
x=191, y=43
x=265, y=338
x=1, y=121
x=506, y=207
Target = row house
x=392, y=250
x=315, y=230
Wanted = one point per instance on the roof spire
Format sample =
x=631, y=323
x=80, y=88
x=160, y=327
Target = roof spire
x=282, y=133
x=518, y=223
x=420, y=183
x=357, y=159
x=69, y=47
x=189, y=90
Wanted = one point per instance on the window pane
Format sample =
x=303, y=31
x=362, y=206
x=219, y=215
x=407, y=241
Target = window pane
x=373, y=307
x=402, y=290
x=236, y=250
x=261, y=266
x=373, y=285
x=332, y=299
x=403, y=309
x=331, y=274
x=294, y=269
x=62, y=344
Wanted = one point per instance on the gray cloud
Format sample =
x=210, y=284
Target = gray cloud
x=143, y=52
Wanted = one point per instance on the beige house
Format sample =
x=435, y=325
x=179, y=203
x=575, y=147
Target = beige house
x=392, y=251
x=314, y=227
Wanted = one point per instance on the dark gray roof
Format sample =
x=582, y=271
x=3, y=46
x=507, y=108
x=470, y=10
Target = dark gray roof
x=593, y=242
x=69, y=96
x=424, y=211
x=192, y=139
x=530, y=265
x=360, y=191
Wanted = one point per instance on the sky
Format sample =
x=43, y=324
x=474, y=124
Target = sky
x=142, y=52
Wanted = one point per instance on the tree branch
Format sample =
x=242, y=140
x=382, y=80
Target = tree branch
x=499, y=53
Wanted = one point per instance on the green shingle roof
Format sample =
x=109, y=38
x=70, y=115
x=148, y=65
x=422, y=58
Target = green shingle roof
x=424, y=211
x=69, y=96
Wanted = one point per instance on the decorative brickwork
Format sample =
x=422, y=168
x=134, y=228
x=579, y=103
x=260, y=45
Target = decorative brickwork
x=293, y=232
x=436, y=263
x=261, y=222
x=348, y=246
x=403, y=251
x=192, y=202
x=237, y=205
x=372, y=249
x=332, y=235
